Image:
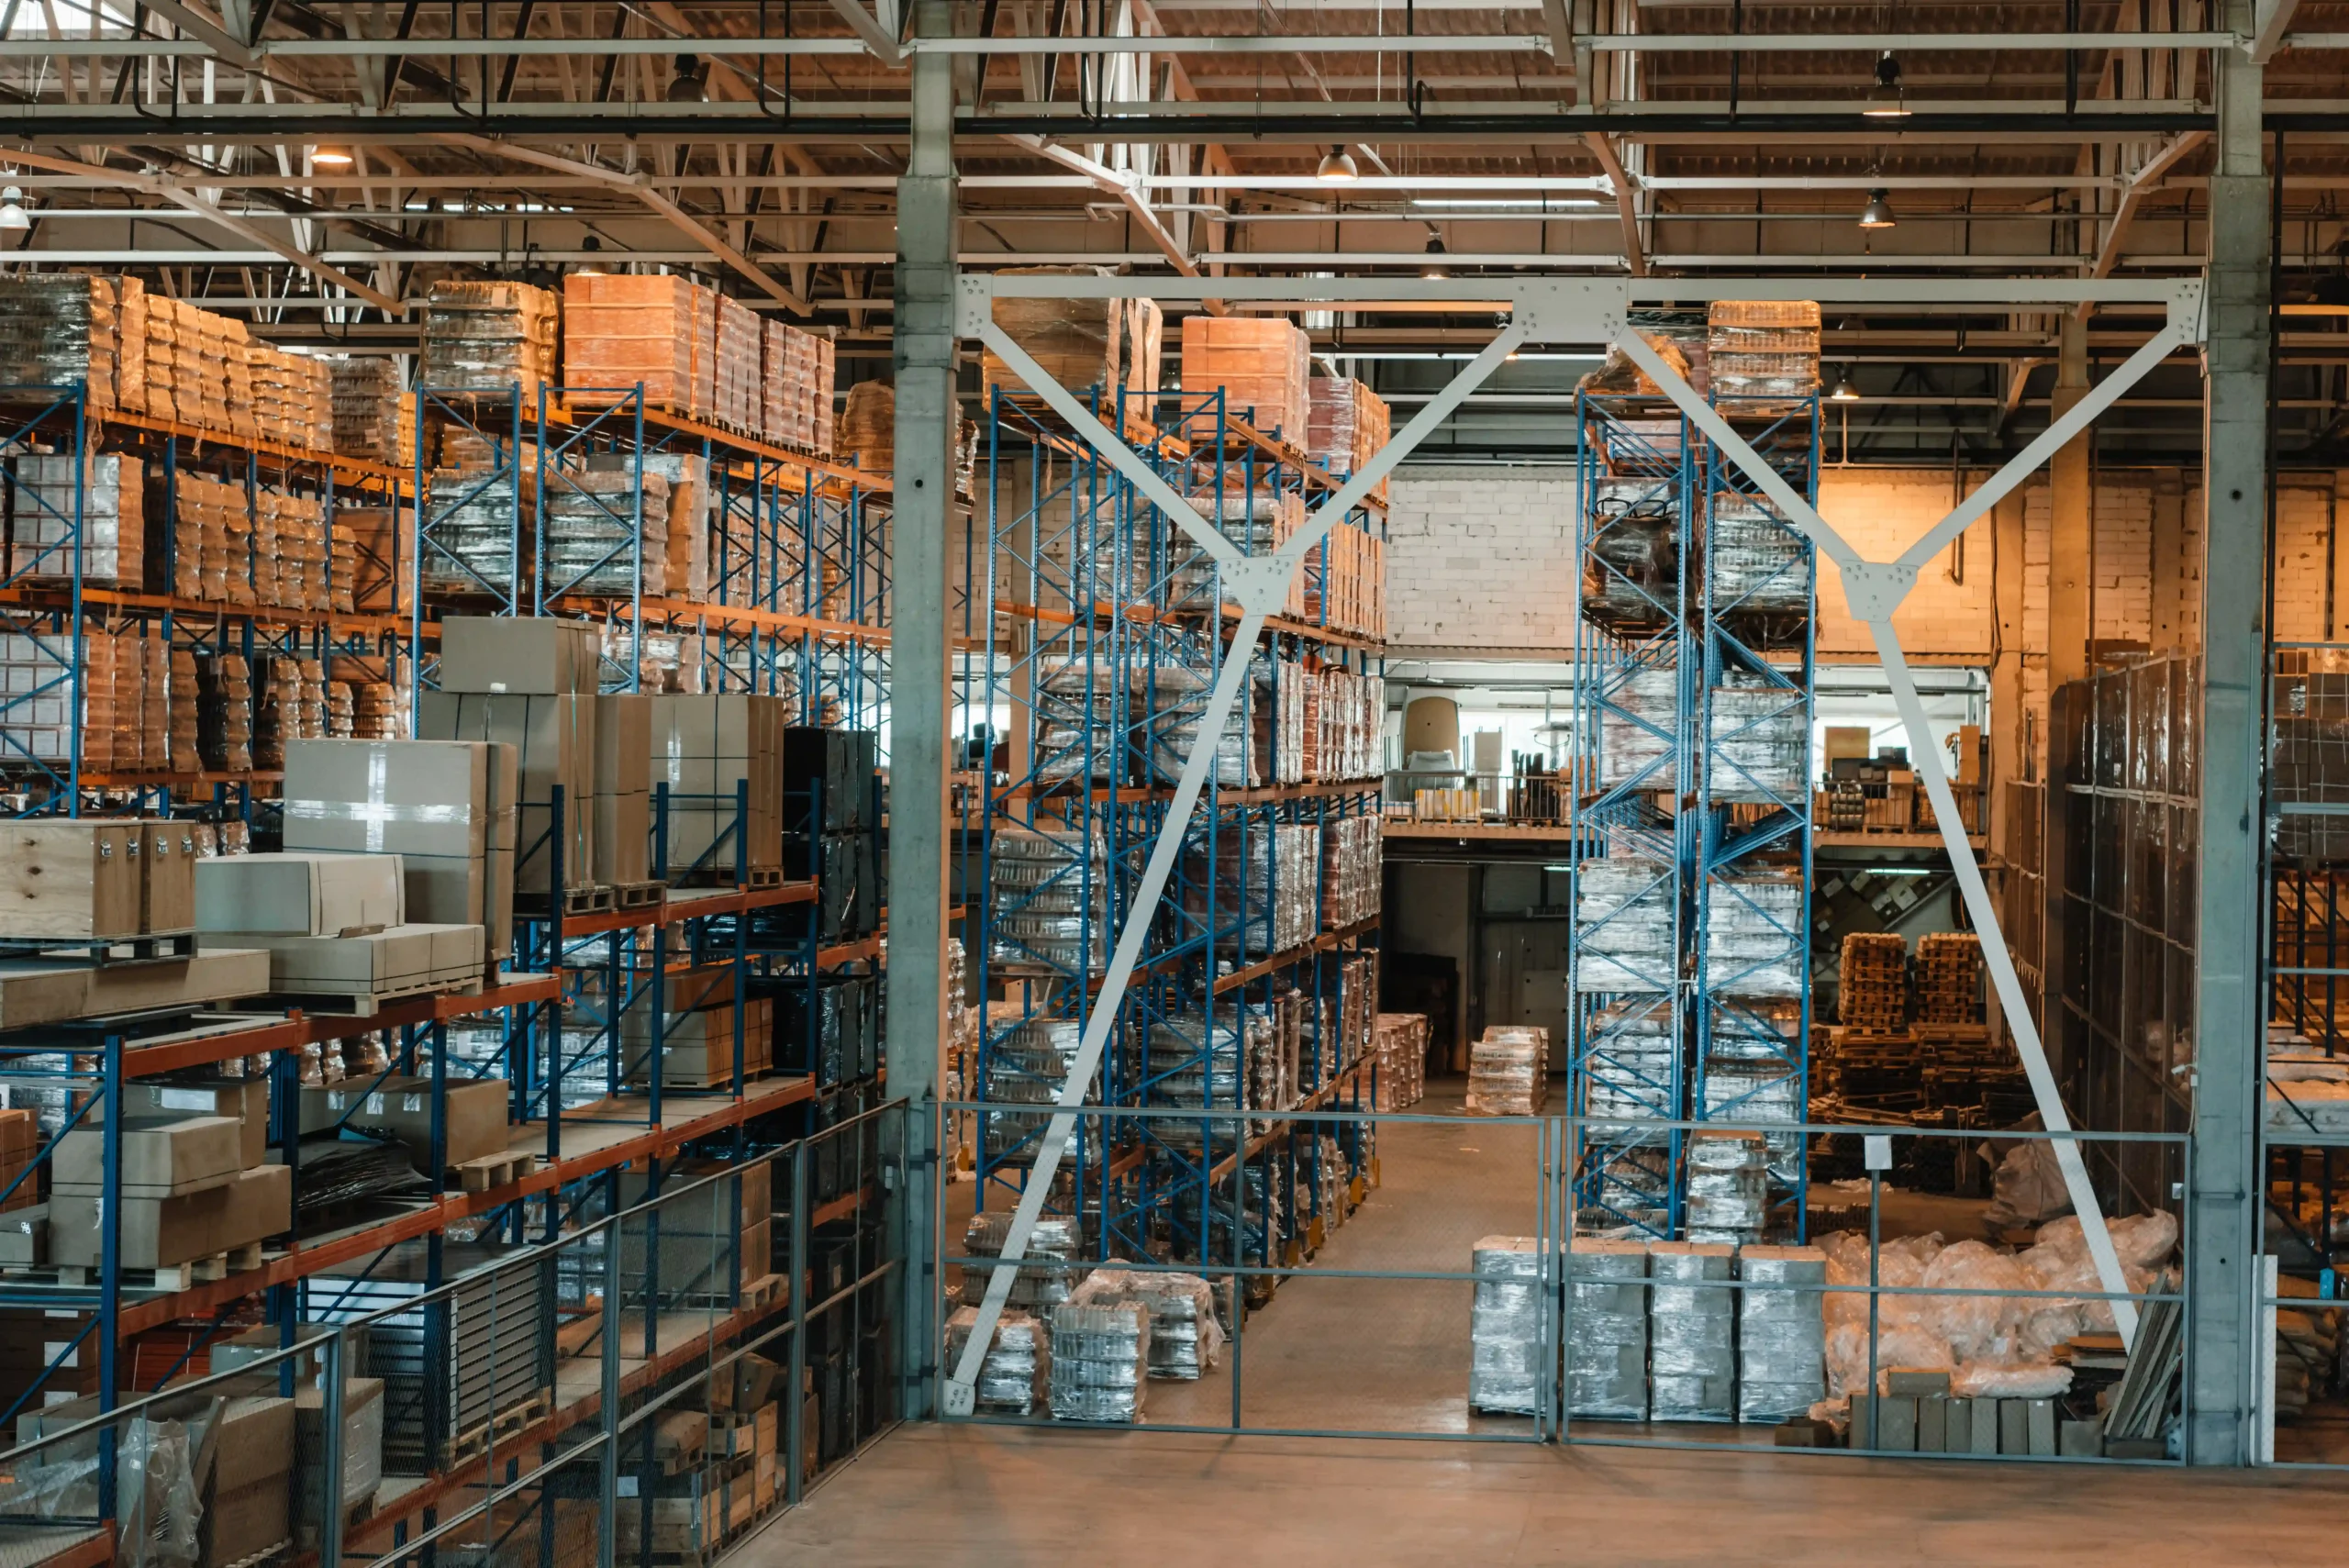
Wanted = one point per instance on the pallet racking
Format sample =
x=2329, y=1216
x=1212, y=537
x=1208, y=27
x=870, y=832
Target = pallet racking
x=1099, y=629
x=1694, y=700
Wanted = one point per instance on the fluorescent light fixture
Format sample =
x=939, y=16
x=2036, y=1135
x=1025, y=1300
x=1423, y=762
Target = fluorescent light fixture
x=330, y=158
x=1516, y=203
x=1338, y=167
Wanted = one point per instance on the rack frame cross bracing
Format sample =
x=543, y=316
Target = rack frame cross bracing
x=1586, y=311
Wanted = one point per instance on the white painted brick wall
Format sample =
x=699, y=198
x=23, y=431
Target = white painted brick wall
x=1482, y=558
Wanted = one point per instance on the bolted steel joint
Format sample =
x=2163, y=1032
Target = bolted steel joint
x=1873, y=589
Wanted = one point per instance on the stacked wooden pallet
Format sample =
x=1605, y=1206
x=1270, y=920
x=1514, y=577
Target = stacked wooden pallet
x=1949, y=978
x=1872, y=984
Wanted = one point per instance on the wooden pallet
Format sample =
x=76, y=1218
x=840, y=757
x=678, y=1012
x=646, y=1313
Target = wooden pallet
x=365, y=1003
x=490, y=1171
x=763, y=1291
x=515, y=1418
x=179, y=1276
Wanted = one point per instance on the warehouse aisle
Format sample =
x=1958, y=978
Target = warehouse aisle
x=1382, y=1355
x=966, y=1497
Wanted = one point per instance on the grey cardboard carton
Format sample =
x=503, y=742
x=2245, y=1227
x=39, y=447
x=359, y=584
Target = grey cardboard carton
x=401, y=1108
x=529, y=655
x=245, y=1099
x=300, y=892
x=160, y=1155
x=158, y=1232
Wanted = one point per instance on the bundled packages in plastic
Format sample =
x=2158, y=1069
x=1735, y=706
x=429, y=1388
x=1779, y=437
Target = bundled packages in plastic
x=1508, y=1364
x=1015, y=1370
x=366, y=394
x=1100, y=1360
x=1692, y=1322
x=1632, y=551
x=58, y=328
x=1508, y=1071
x=1200, y=1061
x=1767, y=348
x=1184, y=1337
x=1268, y=876
x=1757, y=748
x=1638, y=728
x=1782, y=1339
x=1607, y=1329
x=1755, y=941
x=1051, y=898
x=107, y=520
x=1757, y=566
x=1626, y=920
x=1400, y=1041
x=1353, y=870
x=1046, y=1273
x=1028, y=1065
x=1727, y=1186
x=599, y=536
x=488, y=337
x=470, y=523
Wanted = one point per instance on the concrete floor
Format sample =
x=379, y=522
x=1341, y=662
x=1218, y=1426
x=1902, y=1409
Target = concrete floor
x=981, y=1497
x=1381, y=1356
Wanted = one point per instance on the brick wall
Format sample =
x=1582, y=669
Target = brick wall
x=1482, y=558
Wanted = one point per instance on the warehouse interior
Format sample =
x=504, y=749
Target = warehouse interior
x=959, y=780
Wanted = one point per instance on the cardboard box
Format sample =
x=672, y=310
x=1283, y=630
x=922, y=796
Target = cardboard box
x=20, y=1145
x=246, y=1522
x=396, y=958
x=24, y=1234
x=244, y=1099
x=526, y=655
x=169, y=853
x=252, y=1442
x=621, y=815
x=1848, y=740
x=158, y=1232
x=554, y=738
x=300, y=892
x=160, y=1155
x=401, y=1107
x=71, y=879
x=429, y=802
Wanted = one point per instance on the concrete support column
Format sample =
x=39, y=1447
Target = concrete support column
x=2071, y=511
x=927, y=416
x=2222, y=1222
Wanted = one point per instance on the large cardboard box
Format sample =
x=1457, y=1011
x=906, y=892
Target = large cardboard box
x=703, y=749
x=160, y=1155
x=394, y=960
x=300, y=892
x=20, y=1144
x=401, y=1107
x=622, y=812
x=1263, y=365
x=432, y=802
x=158, y=1232
x=71, y=878
x=554, y=739
x=244, y=1523
x=523, y=656
x=1848, y=740
x=245, y=1100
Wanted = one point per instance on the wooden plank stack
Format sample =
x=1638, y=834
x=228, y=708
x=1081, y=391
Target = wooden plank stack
x=1872, y=983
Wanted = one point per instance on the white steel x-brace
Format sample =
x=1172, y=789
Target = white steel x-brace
x=1591, y=312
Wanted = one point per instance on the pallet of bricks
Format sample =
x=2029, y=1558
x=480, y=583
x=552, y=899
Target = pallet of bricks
x=698, y=354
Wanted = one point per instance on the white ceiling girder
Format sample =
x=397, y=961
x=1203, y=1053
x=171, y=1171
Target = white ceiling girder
x=1552, y=310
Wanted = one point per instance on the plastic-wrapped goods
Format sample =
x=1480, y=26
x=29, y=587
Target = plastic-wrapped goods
x=1100, y=1360
x=1051, y=899
x=1757, y=566
x=1692, y=1322
x=1619, y=375
x=1638, y=728
x=57, y=329
x=1017, y=1368
x=224, y=711
x=735, y=381
x=1184, y=1338
x=488, y=337
x=1262, y=364
x=1081, y=343
x=1201, y=1061
x=1755, y=943
x=112, y=527
x=868, y=427
x=366, y=399
x=1169, y=701
x=1346, y=424
x=1047, y=1272
x=1765, y=349
x=1264, y=879
x=1080, y=721
x=1353, y=870
x=1758, y=744
x=470, y=523
x=599, y=536
x=1508, y=1364
x=1727, y=1186
x=1401, y=1045
x=1631, y=573
x=1508, y=1071
x=1607, y=1329
x=1752, y=1090
x=1782, y=1340
x=1028, y=1066
x=1626, y=923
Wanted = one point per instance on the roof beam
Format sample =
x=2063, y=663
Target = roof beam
x=1127, y=188
x=2271, y=20
x=167, y=188
x=640, y=186
x=877, y=39
x=198, y=23
x=2116, y=231
x=1627, y=208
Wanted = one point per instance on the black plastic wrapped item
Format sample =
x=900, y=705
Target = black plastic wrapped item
x=841, y=760
x=336, y=1172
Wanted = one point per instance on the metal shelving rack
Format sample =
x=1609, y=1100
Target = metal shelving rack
x=1117, y=627
x=1695, y=692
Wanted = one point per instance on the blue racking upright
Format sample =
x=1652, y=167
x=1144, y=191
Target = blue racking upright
x=1110, y=627
x=1696, y=688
